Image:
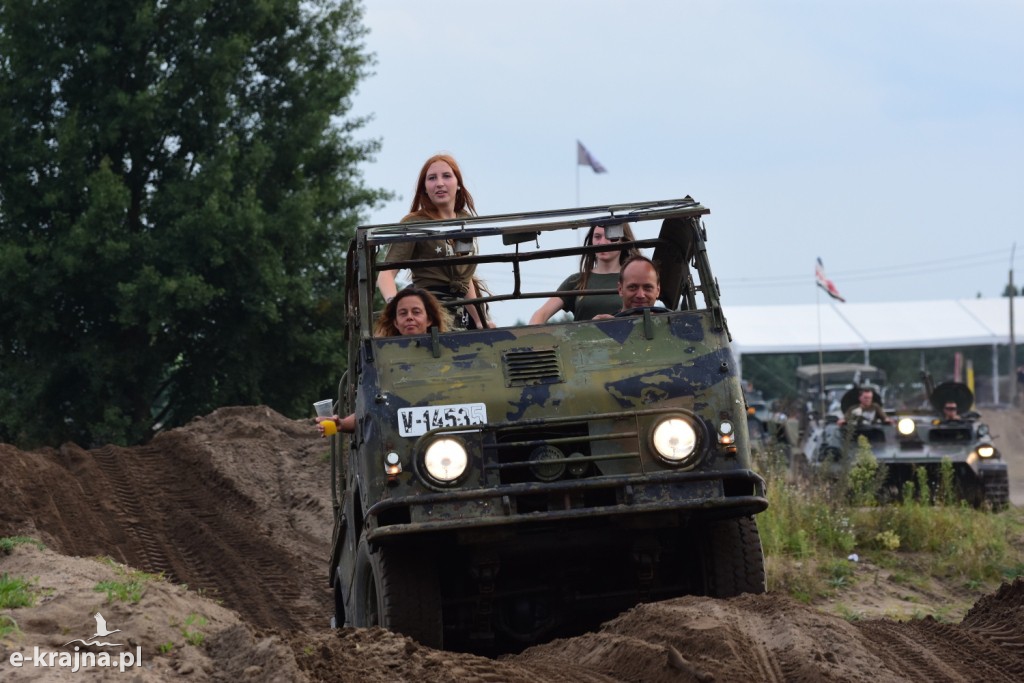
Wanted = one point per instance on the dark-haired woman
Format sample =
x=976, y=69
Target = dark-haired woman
x=598, y=270
x=410, y=312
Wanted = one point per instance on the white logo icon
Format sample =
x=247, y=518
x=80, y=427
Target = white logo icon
x=101, y=632
x=101, y=627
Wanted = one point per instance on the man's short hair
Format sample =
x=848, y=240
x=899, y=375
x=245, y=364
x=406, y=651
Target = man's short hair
x=634, y=259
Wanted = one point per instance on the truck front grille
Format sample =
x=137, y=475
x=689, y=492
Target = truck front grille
x=569, y=450
x=950, y=436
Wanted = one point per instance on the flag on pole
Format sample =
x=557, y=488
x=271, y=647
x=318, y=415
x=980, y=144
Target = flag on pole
x=824, y=282
x=585, y=158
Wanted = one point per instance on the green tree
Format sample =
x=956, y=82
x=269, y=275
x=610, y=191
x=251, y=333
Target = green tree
x=178, y=184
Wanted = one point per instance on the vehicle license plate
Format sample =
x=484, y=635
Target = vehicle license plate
x=420, y=420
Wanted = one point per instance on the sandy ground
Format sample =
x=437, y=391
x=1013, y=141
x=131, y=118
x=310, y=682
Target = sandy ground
x=233, y=512
x=1008, y=435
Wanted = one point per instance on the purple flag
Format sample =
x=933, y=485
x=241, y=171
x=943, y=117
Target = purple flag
x=585, y=158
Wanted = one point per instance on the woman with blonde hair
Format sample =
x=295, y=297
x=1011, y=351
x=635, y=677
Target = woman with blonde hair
x=441, y=194
x=598, y=270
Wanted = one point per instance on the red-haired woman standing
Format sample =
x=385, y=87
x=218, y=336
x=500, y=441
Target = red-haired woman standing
x=441, y=194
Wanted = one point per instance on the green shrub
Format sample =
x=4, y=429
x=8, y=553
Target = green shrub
x=15, y=592
x=865, y=476
x=946, y=493
x=8, y=543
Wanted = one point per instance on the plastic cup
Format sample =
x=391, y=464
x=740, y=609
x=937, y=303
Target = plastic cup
x=324, y=408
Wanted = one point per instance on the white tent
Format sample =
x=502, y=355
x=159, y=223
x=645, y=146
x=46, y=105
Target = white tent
x=833, y=326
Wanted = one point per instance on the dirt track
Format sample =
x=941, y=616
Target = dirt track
x=236, y=506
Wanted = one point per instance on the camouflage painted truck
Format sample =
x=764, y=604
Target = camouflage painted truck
x=505, y=486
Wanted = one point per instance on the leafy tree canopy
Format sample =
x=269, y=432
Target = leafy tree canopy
x=178, y=184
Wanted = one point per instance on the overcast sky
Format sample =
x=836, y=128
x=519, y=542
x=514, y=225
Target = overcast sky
x=886, y=137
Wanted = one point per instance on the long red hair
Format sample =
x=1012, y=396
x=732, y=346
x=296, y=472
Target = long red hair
x=421, y=203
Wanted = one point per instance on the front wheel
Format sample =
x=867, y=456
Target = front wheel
x=997, y=490
x=398, y=589
x=339, y=619
x=734, y=561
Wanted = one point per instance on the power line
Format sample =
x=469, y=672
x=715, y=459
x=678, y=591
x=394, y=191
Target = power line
x=957, y=263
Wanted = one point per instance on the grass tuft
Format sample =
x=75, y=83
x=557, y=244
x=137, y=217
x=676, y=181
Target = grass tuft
x=190, y=631
x=131, y=586
x=16, y=592
x=8, y=543
x=8, y=625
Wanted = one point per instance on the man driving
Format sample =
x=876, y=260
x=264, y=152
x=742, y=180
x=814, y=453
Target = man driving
x=950, y=412
x=639, y=285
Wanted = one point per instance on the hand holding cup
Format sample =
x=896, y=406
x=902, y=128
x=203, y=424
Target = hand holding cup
x=326, y=420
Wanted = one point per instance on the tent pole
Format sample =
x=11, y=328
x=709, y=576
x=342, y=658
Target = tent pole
x=821, y=372
x=995, y=374
x=1011, y=290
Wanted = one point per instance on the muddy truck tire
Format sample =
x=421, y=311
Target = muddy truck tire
x=735, y=558
x=397, y=589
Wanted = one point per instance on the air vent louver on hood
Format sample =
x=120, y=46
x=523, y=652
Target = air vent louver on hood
x=532, y=366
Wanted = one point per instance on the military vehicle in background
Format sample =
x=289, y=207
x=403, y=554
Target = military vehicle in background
x=829, y=447
x=822, y=387
x=772, y=432
x=913, y=440
x=504, y=486
x=980, y=475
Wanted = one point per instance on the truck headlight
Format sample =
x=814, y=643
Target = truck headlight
x=445, y=460
x=675, y=440
x=986, y=451
x=906, y=426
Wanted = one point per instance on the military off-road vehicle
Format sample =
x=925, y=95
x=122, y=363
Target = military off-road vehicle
x=773, y=434
x=821, y=387
x=919, y=440
x=504, y=486
x=980, y=475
